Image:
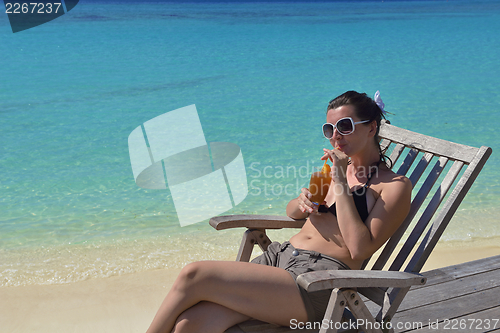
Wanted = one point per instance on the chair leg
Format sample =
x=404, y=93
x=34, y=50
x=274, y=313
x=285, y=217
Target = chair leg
x=363, y=316
x=334, y=311
x=250, y=238
x=246, y=247
x=392, y=301
x=262, y=239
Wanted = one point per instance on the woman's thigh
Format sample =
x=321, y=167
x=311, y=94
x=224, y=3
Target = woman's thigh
x=262, y=292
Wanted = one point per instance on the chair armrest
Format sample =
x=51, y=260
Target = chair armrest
x=320, y=280
x=255, y=222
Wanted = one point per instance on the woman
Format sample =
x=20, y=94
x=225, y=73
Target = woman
x=365, y=205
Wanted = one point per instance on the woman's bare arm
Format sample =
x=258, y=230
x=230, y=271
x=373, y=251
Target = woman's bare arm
x=363, y=238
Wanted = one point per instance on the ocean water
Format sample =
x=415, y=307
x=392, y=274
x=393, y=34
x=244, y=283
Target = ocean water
x=260, y=74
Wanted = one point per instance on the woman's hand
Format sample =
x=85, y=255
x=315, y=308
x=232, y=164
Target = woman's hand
x=340, y=161
x=305, y=205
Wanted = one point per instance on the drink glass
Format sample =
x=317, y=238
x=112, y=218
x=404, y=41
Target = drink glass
x=320, y=184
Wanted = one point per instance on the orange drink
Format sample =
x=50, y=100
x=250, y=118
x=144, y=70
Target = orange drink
x=319, y=184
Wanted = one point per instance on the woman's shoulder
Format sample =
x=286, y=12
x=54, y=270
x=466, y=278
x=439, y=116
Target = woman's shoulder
x=391, y=180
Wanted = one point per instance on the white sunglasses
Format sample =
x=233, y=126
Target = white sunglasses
x=344, y=126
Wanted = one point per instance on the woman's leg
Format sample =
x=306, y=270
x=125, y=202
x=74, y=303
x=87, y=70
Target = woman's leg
x=207, y=317
x=257, y=291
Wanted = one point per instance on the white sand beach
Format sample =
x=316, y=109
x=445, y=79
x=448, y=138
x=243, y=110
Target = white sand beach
x=128, y=303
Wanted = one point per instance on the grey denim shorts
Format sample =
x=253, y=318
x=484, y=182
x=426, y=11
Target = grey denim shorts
x=298, y=261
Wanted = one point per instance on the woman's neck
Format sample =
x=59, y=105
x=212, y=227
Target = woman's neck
x=363, y=164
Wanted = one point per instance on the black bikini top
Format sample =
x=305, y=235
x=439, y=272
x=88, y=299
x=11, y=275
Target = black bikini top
x=359, y=196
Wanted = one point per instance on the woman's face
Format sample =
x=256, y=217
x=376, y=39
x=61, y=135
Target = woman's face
x=354, y=142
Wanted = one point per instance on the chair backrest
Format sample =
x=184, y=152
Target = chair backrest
x=465, y=161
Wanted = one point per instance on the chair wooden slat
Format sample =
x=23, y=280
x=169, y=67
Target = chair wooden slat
x=396, y=153
x=254, y=222
x=439, y=147
x=449, y=208
x=427, y=215
x=420, y=168
x=384, y=145
x=394, y=240
x=415, y=206
x=408, y=161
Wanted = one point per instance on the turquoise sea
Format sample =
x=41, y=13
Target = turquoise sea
x=260, y=74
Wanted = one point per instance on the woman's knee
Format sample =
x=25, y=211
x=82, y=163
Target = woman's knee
x=191, y=275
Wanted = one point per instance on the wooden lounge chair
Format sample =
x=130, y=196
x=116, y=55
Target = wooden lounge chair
x=382, y=290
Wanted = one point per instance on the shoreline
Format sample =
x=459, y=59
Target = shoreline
x=129, y=302
x=458, y=252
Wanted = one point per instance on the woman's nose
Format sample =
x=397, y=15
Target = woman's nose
x=336, y=135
